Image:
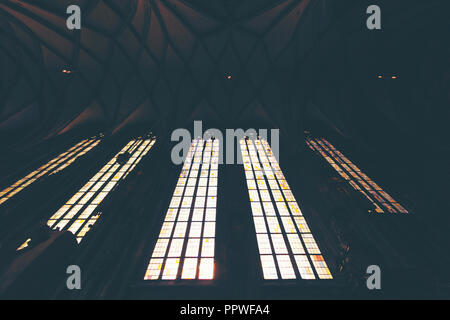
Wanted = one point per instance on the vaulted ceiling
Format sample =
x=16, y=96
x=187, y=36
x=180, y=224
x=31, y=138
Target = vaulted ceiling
x=138, y=60
x=276, y=63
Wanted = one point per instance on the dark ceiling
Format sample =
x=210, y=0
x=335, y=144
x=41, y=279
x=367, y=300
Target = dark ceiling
x=169, y=62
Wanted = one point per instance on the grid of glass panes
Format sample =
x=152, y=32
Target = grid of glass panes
x=79, y=213
x=283, y=236
x=53, y=166
x=186, y=244
x=356, y=178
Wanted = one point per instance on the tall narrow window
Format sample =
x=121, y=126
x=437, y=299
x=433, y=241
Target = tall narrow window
x=382, y=201
x=55, y=165
x=287, y=248
x=186, y=244
x=79, y=213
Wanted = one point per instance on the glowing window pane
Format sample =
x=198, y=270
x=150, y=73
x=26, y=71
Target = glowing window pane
x=301, y=224
x=282, y=208
x=256, y=209
x=273, y=184
x=304, y=267
x=179, y=191
x=296, y=244
x=193, y=248
x=213, y=181
x=166, y=230
x=277, y=195
x=160, y=248
x=310, y=243
x=76, y=225
x=260, y=225
x=175, y=203
x=61, y=224
x=99, y=198
x=198, y=214
x=209, y=229
x=274, y=226
x=265, y=195
x=262, y=185
x=184, y=214
x=189, y=268
x=211, y=202
x=196, y=229
x=203, y=182
x=208, y=247
x=321, y=267
x=269, y=209
x=187, y=202
x=58, y=214
x=295, y=210
x=251, y=184
x=180, y=230
x=289, y=196
x=288, y=225
x=249, y=175
x=278, y=244
x=201, y=191
x=210, y=214
x=171, y=269
x=264, y=243
x=154, y=269
x=200, y=202
x=87, y=212
x=268, y=267
x=285, y=265
x=206, y=270
x=212, y=191
x=175, y=248
x=86, y=197
x=171, y=214
x=74, y=199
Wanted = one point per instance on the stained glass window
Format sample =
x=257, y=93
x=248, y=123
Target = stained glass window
x=382, y=201
x=79, y=213
x=286, y=246
x=55, y=165
x=186, y=244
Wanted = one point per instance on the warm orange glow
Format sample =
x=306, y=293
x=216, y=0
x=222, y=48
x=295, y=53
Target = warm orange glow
x=380, y=199
x=54, y=166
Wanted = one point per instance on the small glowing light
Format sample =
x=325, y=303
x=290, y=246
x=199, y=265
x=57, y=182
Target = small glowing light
x=66, y=71
x=24, y=245
x=380, y=77
x=229, y=76
x=394, y=77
